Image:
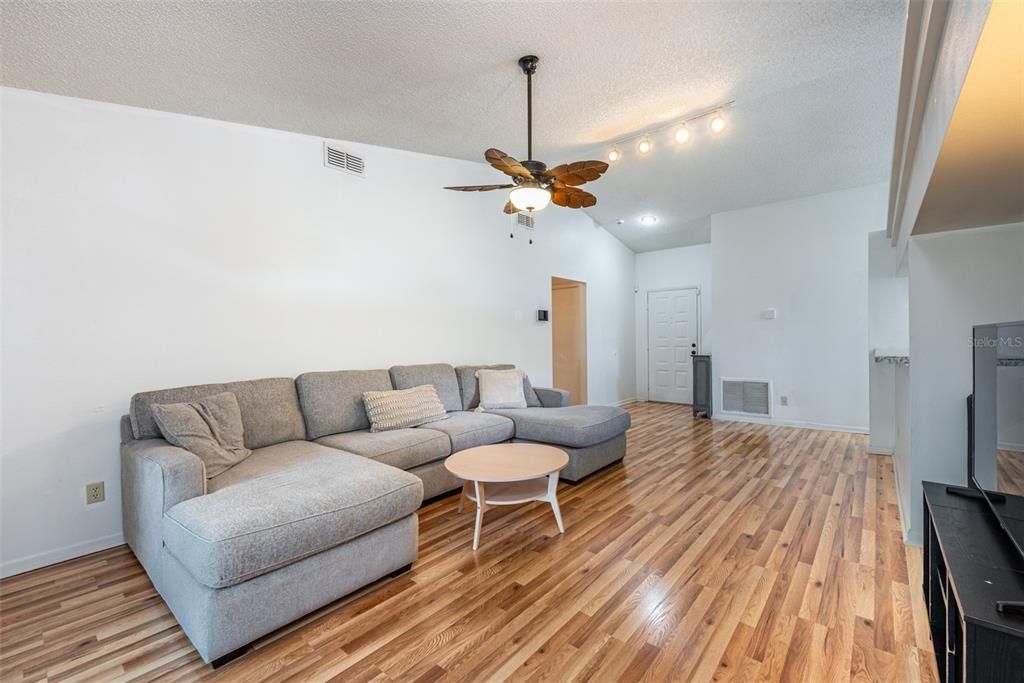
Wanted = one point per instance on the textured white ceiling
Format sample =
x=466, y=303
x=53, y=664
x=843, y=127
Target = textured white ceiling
x=814, y=82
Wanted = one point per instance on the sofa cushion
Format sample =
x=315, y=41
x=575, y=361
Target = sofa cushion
x=573, y=426
x=321, y=500
x=441, y=375
x=467, y=429
x=332, y=402
x=402, y=448
x=269, y=407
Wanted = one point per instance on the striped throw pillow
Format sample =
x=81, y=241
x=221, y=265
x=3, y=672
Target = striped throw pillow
x=403, y=408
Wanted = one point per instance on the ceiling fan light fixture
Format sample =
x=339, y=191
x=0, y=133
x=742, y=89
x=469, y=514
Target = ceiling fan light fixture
x=529, y=197
x=614, y=154
x=717, y=122
x=533, y=185
x=645, y=145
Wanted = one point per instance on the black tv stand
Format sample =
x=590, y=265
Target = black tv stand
x=969, y=492
x=973, y=586
x=1010, y=606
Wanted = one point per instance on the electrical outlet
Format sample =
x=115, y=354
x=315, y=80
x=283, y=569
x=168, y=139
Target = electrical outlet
x=94, y=493
x=784, y=400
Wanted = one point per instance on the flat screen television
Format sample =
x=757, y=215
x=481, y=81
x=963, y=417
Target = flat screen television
x=995, y=414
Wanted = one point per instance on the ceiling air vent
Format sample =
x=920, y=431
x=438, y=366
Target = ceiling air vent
x=343, y=161
x=523, y=220
x=751, y=397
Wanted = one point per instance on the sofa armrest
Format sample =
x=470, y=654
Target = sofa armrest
x=155, y=476
x=552, y=398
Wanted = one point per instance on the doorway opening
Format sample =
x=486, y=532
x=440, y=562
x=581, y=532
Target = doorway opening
x=673, y=331
x=569, y=337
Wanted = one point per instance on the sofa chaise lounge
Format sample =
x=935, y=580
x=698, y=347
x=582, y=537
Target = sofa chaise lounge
x=323, y=506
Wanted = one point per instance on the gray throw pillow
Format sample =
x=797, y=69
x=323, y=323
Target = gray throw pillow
x=401, y=408
x=532, y=399
x=210, y=427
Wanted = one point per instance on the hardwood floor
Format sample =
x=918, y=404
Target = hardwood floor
x=719, y=551
x=1010, y=471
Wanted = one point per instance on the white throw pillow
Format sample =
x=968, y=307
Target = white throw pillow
x=501, y=389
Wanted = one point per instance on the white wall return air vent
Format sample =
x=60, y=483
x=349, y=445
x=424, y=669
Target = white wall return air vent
x=341, y=160
x=747, y=396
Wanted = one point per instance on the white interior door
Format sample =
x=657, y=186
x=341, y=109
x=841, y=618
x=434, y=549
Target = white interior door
x=672, y=322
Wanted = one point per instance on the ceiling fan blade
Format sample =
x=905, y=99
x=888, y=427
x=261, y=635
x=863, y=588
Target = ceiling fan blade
x=573, y=198
x=510, y=208
x=578, y=172
x=506, y=164
x=479, y=188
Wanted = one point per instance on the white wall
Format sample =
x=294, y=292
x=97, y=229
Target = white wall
x=671, y=269
x=808, y=259
x=957, y=280
x=888, y=329
x=144, y=250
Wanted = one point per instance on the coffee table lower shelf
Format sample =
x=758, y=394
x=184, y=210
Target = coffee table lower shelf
x=543, y=489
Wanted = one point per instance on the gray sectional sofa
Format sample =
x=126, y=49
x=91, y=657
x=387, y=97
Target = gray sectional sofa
x=323, y=506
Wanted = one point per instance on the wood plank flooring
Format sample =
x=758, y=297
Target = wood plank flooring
x=719, y=552
x=1010, y=471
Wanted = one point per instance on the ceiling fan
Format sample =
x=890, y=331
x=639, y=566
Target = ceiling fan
x=533, y=184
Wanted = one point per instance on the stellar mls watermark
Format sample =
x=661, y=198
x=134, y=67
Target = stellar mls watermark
x=1010, y=342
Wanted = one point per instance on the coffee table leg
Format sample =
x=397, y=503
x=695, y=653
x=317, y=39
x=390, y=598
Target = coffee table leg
x=480, y=506
x=462, y=496
x=553, y=499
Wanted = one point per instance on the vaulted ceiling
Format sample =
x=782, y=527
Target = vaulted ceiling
x=814, y=85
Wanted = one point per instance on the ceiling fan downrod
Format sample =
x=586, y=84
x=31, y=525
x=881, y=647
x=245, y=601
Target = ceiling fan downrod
x=529, y=66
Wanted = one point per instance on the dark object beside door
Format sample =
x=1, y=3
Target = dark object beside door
x=970, y=565
x=701, y=385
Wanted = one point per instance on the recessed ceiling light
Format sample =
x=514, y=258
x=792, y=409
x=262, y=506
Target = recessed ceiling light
x=648, y=219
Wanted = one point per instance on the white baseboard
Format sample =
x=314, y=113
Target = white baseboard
x=627, y=400
x=68, y=552
x=879, y=450
x=1010, y=446
x=904, y=517
x=732, y=417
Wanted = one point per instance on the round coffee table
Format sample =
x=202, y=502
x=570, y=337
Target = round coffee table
x=508, y=474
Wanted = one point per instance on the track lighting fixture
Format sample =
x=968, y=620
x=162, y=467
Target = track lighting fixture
x=681, y=131
x=717, y=122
